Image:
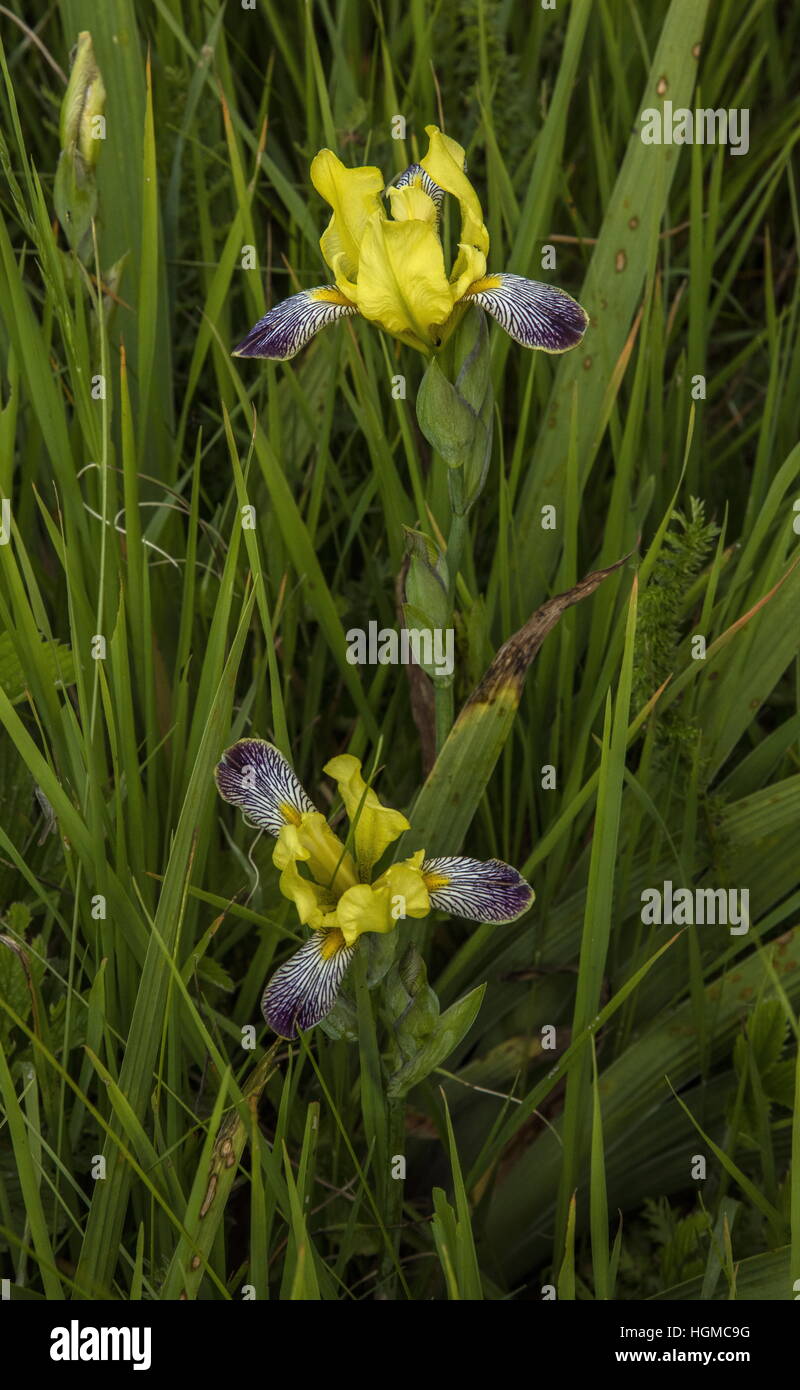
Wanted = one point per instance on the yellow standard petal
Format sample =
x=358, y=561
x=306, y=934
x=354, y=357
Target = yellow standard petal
x=402, y=285
x=376, y=826
x=445, y=163
x=311, y=840
x=355, y=196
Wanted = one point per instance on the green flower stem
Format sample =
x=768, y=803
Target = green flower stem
x=457, y=534
x=455, y=549
x=456, y=540
x=396, y=1136
x=454, y=411
x=443, y=711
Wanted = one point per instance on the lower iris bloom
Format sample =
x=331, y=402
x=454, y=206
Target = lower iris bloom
x=390, y=269
x=331, y=884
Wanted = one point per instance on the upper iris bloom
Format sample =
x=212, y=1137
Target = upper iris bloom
x=391, y=270
x=331, y=883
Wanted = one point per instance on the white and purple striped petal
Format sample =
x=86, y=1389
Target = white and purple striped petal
x=416, y=171
x=289, y=325
x=255, y=776
x=533, y=314
x=305, y=987
x=482, y=890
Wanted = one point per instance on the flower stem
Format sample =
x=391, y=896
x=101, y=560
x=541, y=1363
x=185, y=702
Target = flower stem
x=443, y=693
x=457, y=534
x=443, y=711
x=396, y=1135
x=455, y=550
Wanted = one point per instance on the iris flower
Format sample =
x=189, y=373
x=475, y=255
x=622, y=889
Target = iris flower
x=331, y=884
x=390, y=269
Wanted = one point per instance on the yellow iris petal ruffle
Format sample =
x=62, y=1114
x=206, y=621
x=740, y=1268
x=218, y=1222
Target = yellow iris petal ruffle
x=355, y=196
x=402, y=284
x=311, y=840
x=412, y=204
x=376, y=825
x=378, y=907
x=445, y=163
x=311, y=901
x=469, y=267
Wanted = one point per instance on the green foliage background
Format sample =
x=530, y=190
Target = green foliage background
x=121, y=1034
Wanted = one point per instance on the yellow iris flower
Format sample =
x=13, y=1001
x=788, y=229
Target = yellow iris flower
x=331, y=884
x=390, y=268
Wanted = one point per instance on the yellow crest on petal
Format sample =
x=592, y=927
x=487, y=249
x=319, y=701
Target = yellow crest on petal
x=376, y=825
x=332, y=942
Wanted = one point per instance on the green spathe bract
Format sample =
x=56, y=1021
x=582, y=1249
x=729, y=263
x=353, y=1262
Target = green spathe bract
x=82, y=131
x=456, y=415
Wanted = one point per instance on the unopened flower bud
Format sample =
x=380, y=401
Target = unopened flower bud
x=456, y=416
x=82, y=131
x=82, y=126
x=426, y=580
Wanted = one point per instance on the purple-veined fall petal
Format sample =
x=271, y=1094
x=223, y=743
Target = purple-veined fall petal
x=289, y=325
x=532, y=313
x=255, y=776
x=304, y=989
x=482, y=890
